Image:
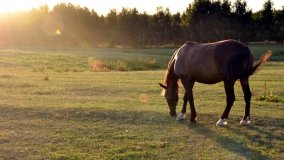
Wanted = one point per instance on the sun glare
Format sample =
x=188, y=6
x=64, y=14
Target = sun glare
x=58, y=32
x=12, y=6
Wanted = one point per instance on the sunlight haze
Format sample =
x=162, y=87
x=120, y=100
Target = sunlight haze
x=102, y=7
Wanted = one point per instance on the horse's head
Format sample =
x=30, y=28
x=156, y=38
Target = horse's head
x=171, y=95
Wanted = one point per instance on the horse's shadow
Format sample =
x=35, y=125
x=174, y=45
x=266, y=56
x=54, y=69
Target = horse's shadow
x=245, y=142
x=239, y=143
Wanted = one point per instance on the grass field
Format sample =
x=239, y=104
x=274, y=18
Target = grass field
x=53, y=107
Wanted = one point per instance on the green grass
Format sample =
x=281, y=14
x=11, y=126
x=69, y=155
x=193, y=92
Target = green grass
x=121, y=115
x=277, y=51
x=112, y=59
x=79, y=60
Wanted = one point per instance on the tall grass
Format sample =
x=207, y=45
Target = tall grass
x=136, y=64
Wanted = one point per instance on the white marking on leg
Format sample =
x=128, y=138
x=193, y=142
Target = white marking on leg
x=245, y=122
x=180, y=117
x=222, y=122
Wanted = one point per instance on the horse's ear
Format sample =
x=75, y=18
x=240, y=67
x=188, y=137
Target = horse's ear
x=163, y=86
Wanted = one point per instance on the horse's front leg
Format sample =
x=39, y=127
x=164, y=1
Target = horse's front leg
x=188, y=85
x=181, y=115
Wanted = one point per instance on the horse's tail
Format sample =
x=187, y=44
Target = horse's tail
x=264, y=58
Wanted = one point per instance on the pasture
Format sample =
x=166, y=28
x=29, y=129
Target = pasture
x=53, y=107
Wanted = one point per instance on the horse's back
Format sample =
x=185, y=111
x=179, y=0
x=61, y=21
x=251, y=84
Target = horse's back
x=205, y=63
x=197, y=61
x=225, y=50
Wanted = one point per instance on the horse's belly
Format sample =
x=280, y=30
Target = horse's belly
x=208, y=79
x=202, y=74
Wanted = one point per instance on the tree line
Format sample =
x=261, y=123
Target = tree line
x=68, y=25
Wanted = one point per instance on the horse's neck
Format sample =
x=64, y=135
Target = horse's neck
x=173, y=84
x=172, y=78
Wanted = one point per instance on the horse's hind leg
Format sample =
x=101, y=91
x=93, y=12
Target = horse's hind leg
x=230, y=97
x=247, y=97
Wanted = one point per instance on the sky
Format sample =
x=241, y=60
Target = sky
x=102, y=7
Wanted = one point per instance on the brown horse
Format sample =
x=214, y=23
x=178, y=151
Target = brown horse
x=226, y=61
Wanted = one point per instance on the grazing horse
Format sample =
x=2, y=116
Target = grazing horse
x=226, y=61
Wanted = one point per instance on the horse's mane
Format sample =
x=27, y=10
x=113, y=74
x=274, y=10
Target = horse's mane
x=170, y=72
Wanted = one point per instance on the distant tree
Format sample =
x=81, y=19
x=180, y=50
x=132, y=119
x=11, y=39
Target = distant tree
x=111, y=27
x=224, y=19
x=267, y=19
x=128, y=27
x=206, y=20
x=278, y=25
x=186, y=23
x=242, y=20
x=144, y=30
x=161, y=24
x=176, y=29
x=199, y=20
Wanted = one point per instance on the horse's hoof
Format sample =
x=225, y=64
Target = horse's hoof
x=173, y=114
x=222, y=122
x=193, y=120
x=180, y=117
x=245, y=122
